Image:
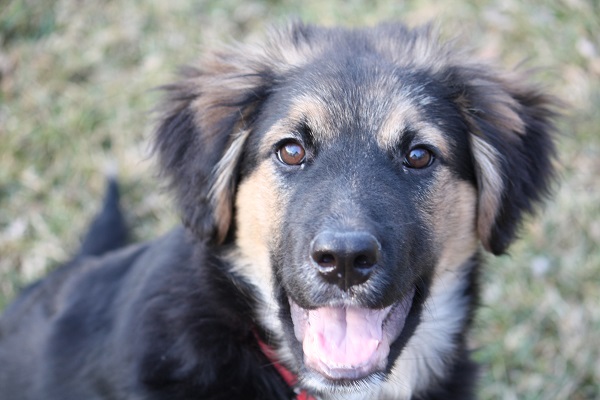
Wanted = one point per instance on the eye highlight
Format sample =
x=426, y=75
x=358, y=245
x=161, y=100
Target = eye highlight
x=418, y=158
x=290, y=152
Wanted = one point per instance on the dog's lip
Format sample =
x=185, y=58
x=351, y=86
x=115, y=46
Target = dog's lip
x=344, y=343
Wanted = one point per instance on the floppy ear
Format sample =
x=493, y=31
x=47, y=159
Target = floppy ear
x=511, y=126
x=200, y=137
x=206, y=119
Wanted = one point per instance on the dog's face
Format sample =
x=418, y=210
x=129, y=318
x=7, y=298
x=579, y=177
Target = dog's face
x=356, y=191
x=352, y=176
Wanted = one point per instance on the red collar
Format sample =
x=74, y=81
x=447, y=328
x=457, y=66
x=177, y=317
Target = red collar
x=287, y=375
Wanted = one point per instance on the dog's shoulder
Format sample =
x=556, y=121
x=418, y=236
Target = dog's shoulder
x=196, y=336
x=160, y=318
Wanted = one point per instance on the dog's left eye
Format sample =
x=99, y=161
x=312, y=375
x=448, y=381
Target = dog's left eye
x=291, y=152
x=419, y=158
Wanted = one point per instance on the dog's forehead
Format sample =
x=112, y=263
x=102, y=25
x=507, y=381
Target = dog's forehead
x=362, y=97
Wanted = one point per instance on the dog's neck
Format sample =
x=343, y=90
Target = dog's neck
x=288, y=376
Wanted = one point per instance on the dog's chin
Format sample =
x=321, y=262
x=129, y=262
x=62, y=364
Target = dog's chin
x=343, y=346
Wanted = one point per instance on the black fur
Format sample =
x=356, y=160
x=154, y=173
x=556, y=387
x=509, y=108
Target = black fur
x=178, y=318
x=142, y=322
x=108, y=230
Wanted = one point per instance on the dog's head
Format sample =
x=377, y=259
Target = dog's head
x=353, y=174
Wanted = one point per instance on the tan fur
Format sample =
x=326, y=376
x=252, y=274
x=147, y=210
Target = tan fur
x=454, y=223
x=259, y=204
x=308, y=109
x=404, y=116
x=222, y=187
x=490, y=186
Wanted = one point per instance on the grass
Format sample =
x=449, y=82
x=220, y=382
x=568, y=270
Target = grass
x=75, y=90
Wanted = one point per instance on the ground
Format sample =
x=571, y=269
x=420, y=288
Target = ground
x=76, y=99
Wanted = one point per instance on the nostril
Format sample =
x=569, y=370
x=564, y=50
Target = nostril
x=326, y=260
x=363, y=261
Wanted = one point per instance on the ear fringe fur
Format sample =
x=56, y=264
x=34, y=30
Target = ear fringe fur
x=222, y=187
x=491, y=186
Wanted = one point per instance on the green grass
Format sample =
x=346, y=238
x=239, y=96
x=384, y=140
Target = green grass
x=75, y=91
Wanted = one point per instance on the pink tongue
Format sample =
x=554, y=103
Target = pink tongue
x=348, y=342
x=344, y=338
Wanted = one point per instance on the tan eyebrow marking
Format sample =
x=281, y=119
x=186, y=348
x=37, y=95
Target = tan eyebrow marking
x=305, y=109
x=406, y=116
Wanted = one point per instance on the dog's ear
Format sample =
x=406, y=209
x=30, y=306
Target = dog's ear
x=511, y=132
x=206, y=118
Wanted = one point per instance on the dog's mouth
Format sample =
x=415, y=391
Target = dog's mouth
x=349, y=343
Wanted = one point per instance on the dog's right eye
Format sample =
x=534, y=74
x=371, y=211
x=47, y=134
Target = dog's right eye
x=291, y=152
x=419, y=158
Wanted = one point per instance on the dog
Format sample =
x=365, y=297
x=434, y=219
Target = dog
x=337, y=188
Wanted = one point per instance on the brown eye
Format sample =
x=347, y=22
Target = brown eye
x=291, y=153
x=418, y=158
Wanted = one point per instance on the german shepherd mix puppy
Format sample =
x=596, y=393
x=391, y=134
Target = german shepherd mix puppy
x=336, y=186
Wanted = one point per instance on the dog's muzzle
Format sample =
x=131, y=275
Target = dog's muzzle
x=347, y=342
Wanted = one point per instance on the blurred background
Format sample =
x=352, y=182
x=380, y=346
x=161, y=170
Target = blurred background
x=76, y=91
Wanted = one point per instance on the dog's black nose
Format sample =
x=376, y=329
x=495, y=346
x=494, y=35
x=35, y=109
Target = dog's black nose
x=345, y=258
